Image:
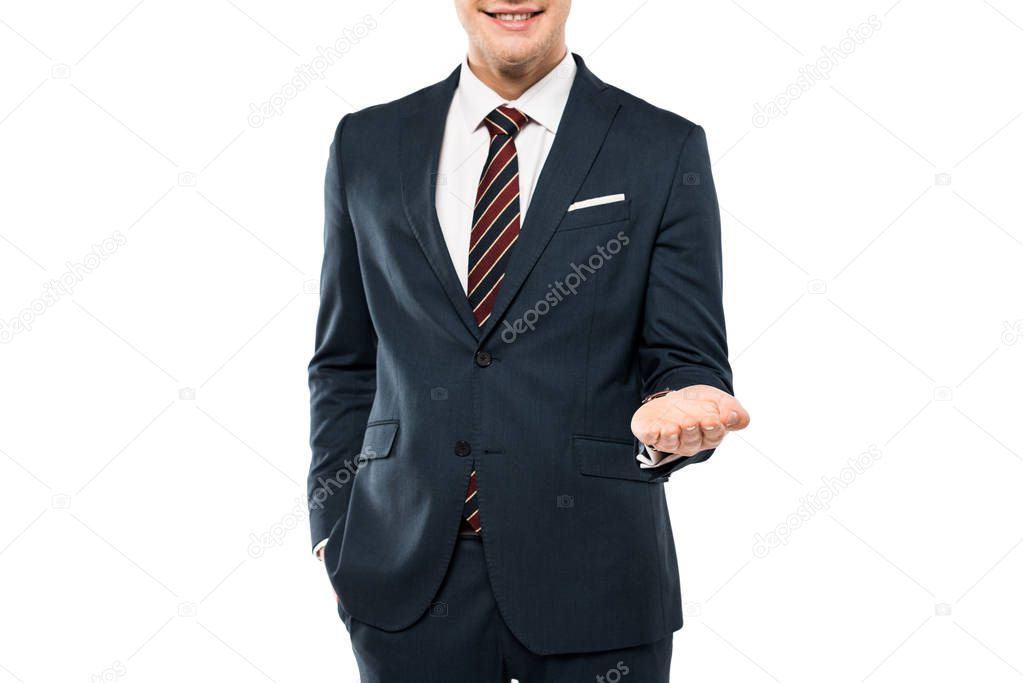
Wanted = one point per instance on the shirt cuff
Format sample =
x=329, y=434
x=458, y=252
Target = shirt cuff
x=649, y=458
x=318, y=546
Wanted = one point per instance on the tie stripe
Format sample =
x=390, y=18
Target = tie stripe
x=506, y=200
x=495, y=229
x=489, y=297
x=501, y=159
x=486, y=269
x=470, y=510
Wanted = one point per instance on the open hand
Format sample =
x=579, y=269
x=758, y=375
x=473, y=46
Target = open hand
x=688, y=420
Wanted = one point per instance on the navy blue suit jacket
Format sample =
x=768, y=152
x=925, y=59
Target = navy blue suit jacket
x=599, y=307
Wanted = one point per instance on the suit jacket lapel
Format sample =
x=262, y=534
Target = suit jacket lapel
x=584, y=124
x=420, y=135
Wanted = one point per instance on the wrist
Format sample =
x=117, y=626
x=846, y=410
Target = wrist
x=656, y=395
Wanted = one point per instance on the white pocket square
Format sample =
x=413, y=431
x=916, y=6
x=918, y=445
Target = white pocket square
x=597, y=201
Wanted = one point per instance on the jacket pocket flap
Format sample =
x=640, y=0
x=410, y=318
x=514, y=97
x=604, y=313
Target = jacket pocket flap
x=604, y=457
x=378, y=440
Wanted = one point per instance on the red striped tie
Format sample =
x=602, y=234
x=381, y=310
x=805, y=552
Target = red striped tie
x=495, y=229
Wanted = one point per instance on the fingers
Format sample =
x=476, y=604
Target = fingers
x=688, y=433
x=732, y=413
x=691, y=421
x=728, y=409
x=680, y=426
x=712, y=426
x=692, y=438
x=669, y=437
x=712, y=435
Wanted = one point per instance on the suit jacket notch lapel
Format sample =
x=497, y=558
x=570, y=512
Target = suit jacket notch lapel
x=421, y=131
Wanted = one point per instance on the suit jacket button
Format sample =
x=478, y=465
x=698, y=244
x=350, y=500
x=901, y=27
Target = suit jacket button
x=484, y=359
x=462, y=448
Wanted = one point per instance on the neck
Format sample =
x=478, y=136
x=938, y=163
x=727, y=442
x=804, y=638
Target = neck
x=510, y=81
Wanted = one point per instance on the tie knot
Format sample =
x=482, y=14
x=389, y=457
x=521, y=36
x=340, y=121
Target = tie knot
x=505, y=121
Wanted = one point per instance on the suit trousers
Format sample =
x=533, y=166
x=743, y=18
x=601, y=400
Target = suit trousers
x=463, y=639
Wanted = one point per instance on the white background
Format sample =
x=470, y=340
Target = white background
x=873, y=249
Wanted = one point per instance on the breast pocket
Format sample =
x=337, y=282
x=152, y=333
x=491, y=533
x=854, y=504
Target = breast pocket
x=593, y=216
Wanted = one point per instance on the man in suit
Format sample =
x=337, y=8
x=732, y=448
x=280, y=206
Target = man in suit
x=520, y=339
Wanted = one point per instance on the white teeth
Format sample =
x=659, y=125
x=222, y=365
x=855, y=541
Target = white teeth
x=513, y=17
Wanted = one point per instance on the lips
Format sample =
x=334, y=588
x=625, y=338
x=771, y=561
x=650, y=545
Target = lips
x=515, y=20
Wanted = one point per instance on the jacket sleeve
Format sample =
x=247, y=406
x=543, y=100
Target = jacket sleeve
x=683, y=331
x=342, y=372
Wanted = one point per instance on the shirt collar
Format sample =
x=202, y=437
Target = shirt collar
x=543, y=102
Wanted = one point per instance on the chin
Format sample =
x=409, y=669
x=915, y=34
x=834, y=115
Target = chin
x=515, y=52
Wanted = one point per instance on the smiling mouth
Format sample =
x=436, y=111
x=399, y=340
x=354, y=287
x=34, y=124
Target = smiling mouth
x=513, y=16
